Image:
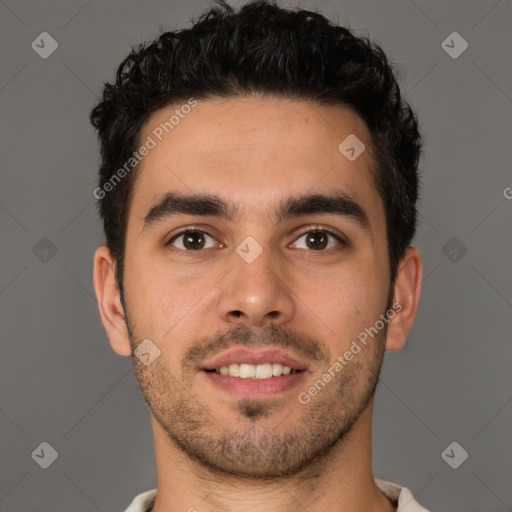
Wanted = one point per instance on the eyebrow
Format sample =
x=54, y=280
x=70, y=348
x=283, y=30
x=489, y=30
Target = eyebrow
x=338, y=203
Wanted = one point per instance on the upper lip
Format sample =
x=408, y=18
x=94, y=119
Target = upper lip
x=255, y=357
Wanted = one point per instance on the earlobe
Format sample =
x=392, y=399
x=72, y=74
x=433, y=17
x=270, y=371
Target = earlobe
x=406, y=294
x=109, y=301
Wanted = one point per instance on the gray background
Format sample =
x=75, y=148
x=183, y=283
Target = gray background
x=62, y=384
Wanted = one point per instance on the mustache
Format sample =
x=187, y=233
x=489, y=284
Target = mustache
x=243, y=335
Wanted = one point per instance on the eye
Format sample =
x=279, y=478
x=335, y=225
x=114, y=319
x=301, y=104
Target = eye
x=319, y=239
x=191, y=240
x=194, y=240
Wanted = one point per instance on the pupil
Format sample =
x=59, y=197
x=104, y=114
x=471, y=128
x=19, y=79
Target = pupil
x=189, y=240
x=317, y=239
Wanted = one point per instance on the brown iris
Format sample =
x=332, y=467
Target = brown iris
x=317, y=240
x=190, y=240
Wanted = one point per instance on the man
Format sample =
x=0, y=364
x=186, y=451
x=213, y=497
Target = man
x=258, y=191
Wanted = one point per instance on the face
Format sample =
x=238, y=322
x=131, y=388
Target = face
x=267, y=278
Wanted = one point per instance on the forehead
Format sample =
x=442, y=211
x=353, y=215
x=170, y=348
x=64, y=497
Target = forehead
x=254, y=151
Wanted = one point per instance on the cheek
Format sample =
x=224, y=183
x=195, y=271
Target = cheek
x=348, y=300
x=159, y=299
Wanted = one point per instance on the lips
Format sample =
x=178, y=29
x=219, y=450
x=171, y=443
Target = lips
x=246, y=356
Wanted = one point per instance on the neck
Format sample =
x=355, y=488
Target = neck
x=340, y=480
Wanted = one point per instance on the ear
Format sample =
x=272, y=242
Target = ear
x=109, y=301
x=406, y=296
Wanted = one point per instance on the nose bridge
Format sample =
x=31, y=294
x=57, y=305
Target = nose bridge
x=255, y=290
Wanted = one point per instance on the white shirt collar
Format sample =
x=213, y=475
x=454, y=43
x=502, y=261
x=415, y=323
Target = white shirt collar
x=401, y=496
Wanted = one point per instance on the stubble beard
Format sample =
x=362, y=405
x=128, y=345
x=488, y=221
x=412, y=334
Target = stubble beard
x=252, y=444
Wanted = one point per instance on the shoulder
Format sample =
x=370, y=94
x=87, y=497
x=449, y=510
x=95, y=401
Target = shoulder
x=401, y=496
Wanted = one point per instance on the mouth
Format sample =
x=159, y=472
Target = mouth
x=252, y=375
x=254, y=388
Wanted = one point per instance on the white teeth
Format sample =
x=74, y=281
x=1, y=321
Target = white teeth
x=234, y=370
x=286, y=370
x=264, y=371
x=247, y=371
x=251, y=371
x=277, y=369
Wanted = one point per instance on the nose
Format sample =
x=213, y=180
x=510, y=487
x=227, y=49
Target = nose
x=258, y=292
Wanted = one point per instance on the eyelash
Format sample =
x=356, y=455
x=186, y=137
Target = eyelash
x=198, y=252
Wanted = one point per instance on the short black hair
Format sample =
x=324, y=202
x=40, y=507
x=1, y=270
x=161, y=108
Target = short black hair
x=261, y=49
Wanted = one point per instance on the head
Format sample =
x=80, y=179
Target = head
x=235, y=129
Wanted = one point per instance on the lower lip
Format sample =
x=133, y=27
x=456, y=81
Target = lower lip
x=255, y=388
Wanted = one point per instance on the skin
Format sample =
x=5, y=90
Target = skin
x=213, y=450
